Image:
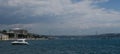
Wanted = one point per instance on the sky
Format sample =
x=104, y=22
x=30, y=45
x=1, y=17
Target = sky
x=61, y=17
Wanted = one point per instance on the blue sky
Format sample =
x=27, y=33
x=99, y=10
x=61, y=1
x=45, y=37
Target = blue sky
x=61, y=17
x=111, y=4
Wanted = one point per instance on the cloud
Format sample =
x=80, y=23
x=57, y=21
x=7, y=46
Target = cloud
x=58, y=16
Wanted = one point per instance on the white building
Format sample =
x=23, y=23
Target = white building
x=18, y=31
x=4, y=37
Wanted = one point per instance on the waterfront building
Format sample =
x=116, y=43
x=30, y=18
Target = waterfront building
x=18, y=33
x=4, y=37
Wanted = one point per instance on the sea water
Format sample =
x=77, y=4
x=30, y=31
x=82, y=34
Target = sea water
x=66, y=46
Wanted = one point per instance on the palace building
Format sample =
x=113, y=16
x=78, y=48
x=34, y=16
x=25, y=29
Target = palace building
x=18, y=33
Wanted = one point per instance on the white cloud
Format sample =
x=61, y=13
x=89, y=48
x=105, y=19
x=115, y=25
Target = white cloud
x=80, y=15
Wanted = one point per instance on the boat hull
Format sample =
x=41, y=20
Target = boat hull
x=19, y=44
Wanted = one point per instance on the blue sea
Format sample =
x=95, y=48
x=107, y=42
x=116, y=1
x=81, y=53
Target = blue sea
x=64, y=46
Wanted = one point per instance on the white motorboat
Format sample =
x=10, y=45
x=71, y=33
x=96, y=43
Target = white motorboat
x=20, y=42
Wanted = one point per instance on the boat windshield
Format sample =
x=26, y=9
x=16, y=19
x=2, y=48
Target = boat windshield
x=19, y=40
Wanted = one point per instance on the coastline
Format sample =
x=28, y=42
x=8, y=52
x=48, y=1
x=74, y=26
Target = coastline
x=26, y=39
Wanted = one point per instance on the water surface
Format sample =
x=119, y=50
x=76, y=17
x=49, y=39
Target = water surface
x=75, y=46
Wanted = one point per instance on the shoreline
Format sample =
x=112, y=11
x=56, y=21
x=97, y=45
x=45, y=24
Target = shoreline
x=26, y=39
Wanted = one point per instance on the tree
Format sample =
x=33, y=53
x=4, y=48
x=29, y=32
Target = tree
x=4, y=31
x=0, y=31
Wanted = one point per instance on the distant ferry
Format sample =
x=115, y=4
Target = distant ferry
x=20, y=42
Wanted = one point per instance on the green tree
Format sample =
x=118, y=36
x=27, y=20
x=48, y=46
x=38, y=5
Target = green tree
x=4, y=31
